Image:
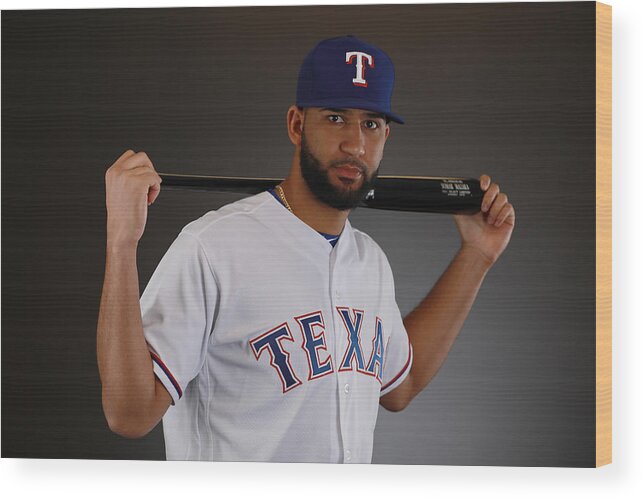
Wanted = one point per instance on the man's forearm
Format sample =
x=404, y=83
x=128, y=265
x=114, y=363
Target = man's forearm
x=124, y=361
x=435, y=323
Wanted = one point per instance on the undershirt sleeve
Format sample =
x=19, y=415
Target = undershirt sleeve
x=178, y=309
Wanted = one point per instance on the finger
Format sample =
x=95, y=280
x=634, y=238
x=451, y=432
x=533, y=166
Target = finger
x=138, y=159
x=505, y=215
x=117, y=164
x=142, y=170
x=485, y=182
x=489, y=196
x=497, y=205
x=125, y=155
x=511, y=217
x=153, y=193
x=154, y=188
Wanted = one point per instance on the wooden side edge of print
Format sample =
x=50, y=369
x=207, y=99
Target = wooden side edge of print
x=603, y=234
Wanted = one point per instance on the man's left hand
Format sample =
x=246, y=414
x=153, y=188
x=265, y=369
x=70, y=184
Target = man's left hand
x=488, y=232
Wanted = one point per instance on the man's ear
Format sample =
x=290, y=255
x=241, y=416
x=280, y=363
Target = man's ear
x=295, y=124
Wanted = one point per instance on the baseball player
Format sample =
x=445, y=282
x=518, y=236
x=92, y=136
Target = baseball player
x=270, y=330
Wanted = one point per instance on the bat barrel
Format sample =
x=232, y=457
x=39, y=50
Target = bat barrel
x=426, y=194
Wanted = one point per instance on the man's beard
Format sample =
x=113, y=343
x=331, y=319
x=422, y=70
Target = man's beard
x=319, y=183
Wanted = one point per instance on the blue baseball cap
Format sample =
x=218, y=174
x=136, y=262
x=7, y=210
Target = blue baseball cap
x=346, y=72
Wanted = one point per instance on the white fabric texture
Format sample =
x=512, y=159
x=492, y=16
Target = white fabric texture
x=248, y=317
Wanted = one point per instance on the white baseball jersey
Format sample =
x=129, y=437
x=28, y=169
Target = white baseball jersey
x=274, y=345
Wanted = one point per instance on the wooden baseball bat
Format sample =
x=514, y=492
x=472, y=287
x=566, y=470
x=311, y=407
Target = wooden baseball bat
x=400, y=193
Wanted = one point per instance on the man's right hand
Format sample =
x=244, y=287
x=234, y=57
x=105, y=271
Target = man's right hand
x=131, y=185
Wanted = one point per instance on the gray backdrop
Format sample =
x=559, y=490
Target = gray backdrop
x=504, y=89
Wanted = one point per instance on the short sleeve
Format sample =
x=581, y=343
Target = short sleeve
x=398, y=355
x=178, y=309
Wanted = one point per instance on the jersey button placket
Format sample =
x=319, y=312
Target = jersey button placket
x=334, y=285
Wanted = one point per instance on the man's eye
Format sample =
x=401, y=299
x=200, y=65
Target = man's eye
x=372, y=124
x=335, y=118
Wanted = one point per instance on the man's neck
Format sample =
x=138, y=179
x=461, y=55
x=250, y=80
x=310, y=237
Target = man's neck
x=305, y=205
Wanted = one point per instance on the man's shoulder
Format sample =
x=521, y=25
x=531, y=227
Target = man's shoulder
x=363, y=238
x=366, y=244
x=231, y=216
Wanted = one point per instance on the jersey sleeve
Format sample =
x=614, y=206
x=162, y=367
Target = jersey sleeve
x=398, y=356
x=178, y=309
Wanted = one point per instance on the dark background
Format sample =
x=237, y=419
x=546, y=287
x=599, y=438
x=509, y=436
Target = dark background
x=503, y=89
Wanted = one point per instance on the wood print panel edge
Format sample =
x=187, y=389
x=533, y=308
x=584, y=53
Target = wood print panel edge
x=603, y=234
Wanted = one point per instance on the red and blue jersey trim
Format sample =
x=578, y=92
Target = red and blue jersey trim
x=167, y=372
x=403, y=371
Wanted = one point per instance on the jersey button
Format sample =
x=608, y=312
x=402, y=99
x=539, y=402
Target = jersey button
x=347, y=388
x=347, y=455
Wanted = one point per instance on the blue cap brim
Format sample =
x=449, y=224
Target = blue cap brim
x=351, y=103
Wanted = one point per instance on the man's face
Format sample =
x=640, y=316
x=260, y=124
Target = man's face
x=341, y=150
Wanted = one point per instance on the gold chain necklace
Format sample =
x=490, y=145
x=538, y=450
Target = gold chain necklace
x=282, y=196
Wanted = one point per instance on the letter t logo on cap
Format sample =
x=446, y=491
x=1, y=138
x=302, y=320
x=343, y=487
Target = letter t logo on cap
x=361, y=57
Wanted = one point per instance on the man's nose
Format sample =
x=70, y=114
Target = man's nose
x=353, y=142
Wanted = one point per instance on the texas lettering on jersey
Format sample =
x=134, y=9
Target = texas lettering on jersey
x=274, y=344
